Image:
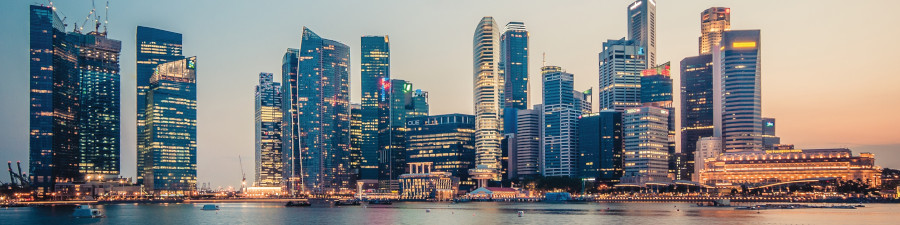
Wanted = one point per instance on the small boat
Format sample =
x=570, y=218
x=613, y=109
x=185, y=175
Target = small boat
x=380, y=202
x=521, y=213
x=346, y=203
x=85, y=211
x=297, y=204
x=860, y=205
x=210, y=207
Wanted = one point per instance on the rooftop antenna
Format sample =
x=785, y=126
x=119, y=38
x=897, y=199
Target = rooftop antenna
x=543, y=59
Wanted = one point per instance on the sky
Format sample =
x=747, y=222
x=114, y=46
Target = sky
x=826, y=73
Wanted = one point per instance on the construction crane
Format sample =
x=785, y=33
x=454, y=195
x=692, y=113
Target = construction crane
x=243, y=176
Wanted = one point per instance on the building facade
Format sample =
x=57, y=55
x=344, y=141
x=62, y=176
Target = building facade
x=642, y=28
x=290, y=131
x=645, y=131
x=738, y=74
x=528, y=144
x=355, y=139
x=375, y=72
x=708, y=148
x=600, y=148
x=488, y=97
x=621, y=63
x=421, y=183
x=696, y=104
x=514, y=64
x=758, y=168
x=770, y=140
x=268, y=118
x=713, y=22
x=561, y=113
x=446, y=141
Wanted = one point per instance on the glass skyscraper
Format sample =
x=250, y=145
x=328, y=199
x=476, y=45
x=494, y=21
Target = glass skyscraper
x=642, y=28
x=488, y=93
x=527, y=153
x=656, y=90
x=737, y=70
x=323, y=100
x=514, y=64
x=290, y=131
x=170, y=132
x=561, y=113
x=600, y=146
x=447, y=140
x=375, y=72
x=696, y=105
x=355, y=139
x=268, y=132
x=621, y=64
x=154, y=47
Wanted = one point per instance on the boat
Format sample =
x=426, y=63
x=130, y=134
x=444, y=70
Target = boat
x=346, y=203
x=380, y=202
x=210, y=207
x=85, y=211
x=297, y=204
x=521, y=213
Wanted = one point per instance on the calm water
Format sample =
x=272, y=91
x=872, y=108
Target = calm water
x=444, y=213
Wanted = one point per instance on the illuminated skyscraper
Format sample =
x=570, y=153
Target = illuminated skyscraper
x=290, y=131
x=355, y=139
x=600, y=146
x=392, y=161
x=738, y=106
x=621, y=64
x=696, y=105
x=645, y=138
x=154, y=47
x=642, y=28
x=768, y=134
x=323, y=100
x=514, y=64
x=713, y=22
x=375, y=68
x=561, y=112
x=656, y=90
x=170, y=163
x=528, y=145
x=269, y=161
x=447, y=141
x=488, y=88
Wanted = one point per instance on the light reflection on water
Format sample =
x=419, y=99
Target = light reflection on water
x=445, y=213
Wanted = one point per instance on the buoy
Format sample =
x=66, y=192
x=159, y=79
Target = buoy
x=428, y=210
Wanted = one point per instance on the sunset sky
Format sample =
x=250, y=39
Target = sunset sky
x=827, y=72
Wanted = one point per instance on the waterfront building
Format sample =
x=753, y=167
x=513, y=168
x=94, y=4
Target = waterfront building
x=421, y=183
x=392, y=159
x=290, y=132
x=713, y=22
x=707, y=148
x=496, y=193
x=375, y=75
x=696, y=105
x=758, y=168
x=419, y=104
x=645, y=131
x=514, y=64
x=561, y=113
x=170, y=163
x=447, y=141
x=770, y=140
x=527, y=153
x=737, y=75
x=324, y=113
x=488, y=93
x=642, y=28
x=621, y=64
x=268, y=118
x=656, y=90
x=355, y=139
x=600, y=148
x=153, y=47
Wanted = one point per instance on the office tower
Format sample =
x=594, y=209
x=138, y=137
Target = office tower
x=447, y=141
x=508, y=157
x=290, y=131
x=707, y=148
x=375, y=68
x=600, y=146
x=621, y=63
x=53, y=143
x=355, y=139
x=583, y=101
x=392, y=161
x=738, y=103
x=645, y=132
x=696, y=105
x=713, y=22
x=560, y=122
x=488, y=87
x=324, y=113
x=154, y=47
x=770, y=140
x=656, y=90
x=642, y=28
x=268, y=132
x=528, y=145
x=97, y=60
x=420, y=104
x=170, y=163
x=514, y=64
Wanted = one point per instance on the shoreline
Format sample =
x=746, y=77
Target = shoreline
x=602, y=200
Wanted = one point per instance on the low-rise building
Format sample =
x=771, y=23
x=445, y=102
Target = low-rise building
x=757, y=168
x=496, y=193
x=421, y=183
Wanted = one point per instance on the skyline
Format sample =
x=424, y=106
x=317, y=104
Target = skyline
x=678, y=30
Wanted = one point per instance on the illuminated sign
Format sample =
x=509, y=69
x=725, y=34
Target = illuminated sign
x=664, y=69
x=747, y=44
x=770, y=124
x=635, y=5
x=407, y=88
x=192, y=64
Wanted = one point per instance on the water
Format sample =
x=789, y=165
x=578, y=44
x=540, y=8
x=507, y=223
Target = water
x=445, y=213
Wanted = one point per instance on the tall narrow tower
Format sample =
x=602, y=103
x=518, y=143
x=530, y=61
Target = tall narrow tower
x=642, y=27
x=738, y=103
x=488, y=86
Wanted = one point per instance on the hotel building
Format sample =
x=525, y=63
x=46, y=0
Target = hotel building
x=759, y=168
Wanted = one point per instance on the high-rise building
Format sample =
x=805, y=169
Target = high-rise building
x=323, y=99
x=420, y=104
x=770, y=140
x=514, y=64
x=375, y=70
x=268, y=119
x=642, y=28
x=290, y=131
x=696, y=105
x=170, y=163
x=645, y=132
x=528, y=145
x=447, y=141
x=53, y=144
x=355, y=139
x=713, y=22
x=154, y=47
x=621, y=63
x=561, y=112
x=403, y=102
x=488, y=92
x=656, y=90
x=600, y=146
x=707, y=148
x=738, y=103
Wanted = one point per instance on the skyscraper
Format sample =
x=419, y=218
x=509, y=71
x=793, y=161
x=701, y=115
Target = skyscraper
x=738, y=106
x=53, y=144
x=375, y=67
x=290, y=131
x=269, y=161
x=355, y=139
x=528, y=145
x=323, y=98
x=392, y=161
x=770, y=140
x=621, y=63
x=707, y=148
x=600, y=146
x=696, y=105
x=656, y=90
x=488, y=88
x=170, y=163
x=561, y=113
x=642, y=28
x=447, y=140
x=154, y=47
x=514, y=64
x=713, y=22
x=646, y=131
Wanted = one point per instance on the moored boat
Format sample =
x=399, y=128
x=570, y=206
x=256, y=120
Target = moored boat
x=85, y=211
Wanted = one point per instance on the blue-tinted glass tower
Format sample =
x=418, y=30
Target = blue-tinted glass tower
x=290, y=149
x=375, y=70
x=696, y=105
x=561, y=113
x=154, y=47
x=621, y=63
x=600, y=146
x=737, y=68
x=268, y=113
x=514, y=64
x=448, y=141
